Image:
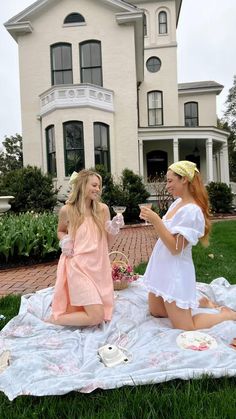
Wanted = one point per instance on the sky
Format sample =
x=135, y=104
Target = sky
x=206, y=51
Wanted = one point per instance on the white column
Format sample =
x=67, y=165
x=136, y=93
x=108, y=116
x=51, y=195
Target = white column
x=224, y=164
x=141, y=171
x=209, y=159
x=175, y=149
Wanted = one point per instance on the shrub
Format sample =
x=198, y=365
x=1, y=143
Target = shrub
x=33, y=190
x=129, y=191
x=220, y=196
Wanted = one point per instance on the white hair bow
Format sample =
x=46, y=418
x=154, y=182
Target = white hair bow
x=73, y=178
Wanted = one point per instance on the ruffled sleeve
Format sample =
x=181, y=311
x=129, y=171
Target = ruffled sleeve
x=189, y=222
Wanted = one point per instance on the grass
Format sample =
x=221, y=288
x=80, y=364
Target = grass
x=205, y=398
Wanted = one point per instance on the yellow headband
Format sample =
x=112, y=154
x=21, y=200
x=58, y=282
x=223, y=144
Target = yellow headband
x=184, y=168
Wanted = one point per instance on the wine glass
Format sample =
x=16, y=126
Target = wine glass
x=118, y=209
x=148, y=205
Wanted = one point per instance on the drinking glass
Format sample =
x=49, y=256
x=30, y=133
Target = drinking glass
x=118, y=209
x=148, y=205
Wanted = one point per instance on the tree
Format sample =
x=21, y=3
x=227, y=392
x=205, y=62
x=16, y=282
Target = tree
x=229, y=124
x=11, y=156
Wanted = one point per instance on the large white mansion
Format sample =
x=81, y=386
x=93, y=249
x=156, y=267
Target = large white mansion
x=99, y=85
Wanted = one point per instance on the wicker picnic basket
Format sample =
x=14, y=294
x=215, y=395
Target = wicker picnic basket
x=121, y=261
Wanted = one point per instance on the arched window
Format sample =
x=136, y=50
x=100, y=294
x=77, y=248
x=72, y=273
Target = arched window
x=73, y=146
x=155, y=108
x=191, y=114
x=74, y=18
x=61, y=64
x=102, y=144
x=91, y=62
x=51, y=150
x=156, y=163
x=162, y=21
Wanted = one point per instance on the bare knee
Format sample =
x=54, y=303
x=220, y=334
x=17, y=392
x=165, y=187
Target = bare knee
x=155, y=313
x=156, y=306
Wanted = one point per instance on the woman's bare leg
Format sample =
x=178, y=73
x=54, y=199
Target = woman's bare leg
x=156, y=306
x=91, y=316
x=183, y=319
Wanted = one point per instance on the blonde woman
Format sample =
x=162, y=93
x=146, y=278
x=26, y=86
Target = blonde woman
x=170, y=274
x=83, y=293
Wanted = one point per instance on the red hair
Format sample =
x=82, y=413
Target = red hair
x=200, y=195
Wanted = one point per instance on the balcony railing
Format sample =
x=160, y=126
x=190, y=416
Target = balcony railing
x=75, y=96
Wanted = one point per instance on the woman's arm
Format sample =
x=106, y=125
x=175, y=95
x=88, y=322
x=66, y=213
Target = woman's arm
x=174, y=242
x=107, y=217
x=62, y=227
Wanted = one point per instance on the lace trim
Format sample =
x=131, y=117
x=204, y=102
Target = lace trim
x=180, y=303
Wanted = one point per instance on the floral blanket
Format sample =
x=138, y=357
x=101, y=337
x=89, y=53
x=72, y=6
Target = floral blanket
x=50, y=360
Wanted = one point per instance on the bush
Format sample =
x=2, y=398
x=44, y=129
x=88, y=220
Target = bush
x=129, y=191
x=220, y=196
x=33, y=190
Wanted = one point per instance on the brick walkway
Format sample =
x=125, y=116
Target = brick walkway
x=136, y=242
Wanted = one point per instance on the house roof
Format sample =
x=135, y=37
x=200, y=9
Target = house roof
x=200, y=87
x=125, y=13
x=20, y=23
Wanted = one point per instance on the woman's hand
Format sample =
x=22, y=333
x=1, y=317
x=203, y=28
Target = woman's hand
x=67, y=246
x=149, y=215
x=113, y=226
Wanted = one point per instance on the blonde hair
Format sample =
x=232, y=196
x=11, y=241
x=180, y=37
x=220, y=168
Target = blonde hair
x=200, y=195
x=76, y=203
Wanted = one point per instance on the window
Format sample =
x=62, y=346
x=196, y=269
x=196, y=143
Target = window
x=91, y=62
x=153, y=64
x=51, y=150
x=156, y=163
x=101, y=145
x=73, y=146
x=191, y=114
x=74, y=18
x=162, y=20
x=155, y=108
x=145, y=24
x=61, y=64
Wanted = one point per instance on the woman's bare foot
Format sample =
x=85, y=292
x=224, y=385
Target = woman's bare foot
x=204, y=302
x=228, y=313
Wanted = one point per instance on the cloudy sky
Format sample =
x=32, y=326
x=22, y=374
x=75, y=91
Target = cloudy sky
x=206, y=51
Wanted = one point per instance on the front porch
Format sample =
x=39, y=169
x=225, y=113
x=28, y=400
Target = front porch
x=206, y=146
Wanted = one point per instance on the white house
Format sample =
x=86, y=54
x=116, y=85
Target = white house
x=99, y=85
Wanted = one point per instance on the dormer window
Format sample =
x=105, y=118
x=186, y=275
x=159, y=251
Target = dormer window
x=162, y=20
x=74, y=18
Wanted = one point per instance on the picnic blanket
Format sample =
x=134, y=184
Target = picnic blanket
x=50, y=360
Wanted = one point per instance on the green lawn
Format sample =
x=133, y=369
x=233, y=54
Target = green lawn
x=206, y=398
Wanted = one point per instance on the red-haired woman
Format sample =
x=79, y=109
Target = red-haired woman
x=170, y=274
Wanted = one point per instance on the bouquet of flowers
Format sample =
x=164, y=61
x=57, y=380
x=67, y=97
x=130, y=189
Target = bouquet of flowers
x=122, y=273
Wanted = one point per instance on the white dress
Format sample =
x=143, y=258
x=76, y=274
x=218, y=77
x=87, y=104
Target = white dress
x=173, y=276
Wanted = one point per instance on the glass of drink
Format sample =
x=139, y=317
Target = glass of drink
x=148, y=205
x=118, y=209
